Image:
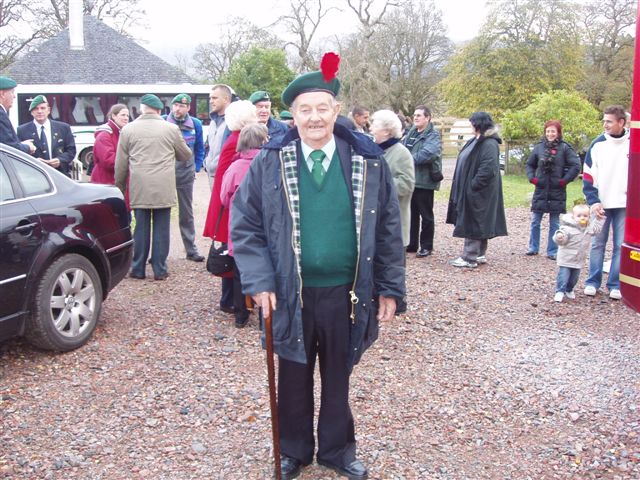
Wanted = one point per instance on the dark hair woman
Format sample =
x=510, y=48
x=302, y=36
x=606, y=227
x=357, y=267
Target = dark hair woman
x=551, y=166
x=476, y=206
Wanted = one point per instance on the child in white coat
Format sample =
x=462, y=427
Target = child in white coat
x=573, y=239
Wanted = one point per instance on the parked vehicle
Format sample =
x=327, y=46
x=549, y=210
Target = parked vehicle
x=63, y=247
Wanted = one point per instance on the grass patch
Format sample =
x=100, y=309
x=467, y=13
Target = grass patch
x=517, y=192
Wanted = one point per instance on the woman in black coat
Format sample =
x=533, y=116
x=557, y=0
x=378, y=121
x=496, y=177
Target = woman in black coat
x=550, y=167
x=476, y=206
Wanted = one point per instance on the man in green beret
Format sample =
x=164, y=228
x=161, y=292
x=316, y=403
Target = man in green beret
x=262, y=101
x=286, y=118
x=54, y=141
x=7, y=132
x=145, y=164
x=191, y=129
x=324, y=256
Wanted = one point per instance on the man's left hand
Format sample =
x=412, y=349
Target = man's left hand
x=386, y=308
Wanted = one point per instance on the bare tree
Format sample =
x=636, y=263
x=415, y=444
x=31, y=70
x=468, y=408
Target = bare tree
x=368, y=18
x=608, y=29
x=213, y=60
x=401, y=63
x=302, y=22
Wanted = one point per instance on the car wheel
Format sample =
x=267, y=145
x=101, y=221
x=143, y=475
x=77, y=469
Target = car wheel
x=86, y=157
x=66, y=306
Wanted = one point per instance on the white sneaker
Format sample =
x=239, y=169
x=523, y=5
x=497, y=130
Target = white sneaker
x=590, y=291
x=615, y=294
x=559, y=296
x=481, y=260
x=461, y=262
x=571, y=295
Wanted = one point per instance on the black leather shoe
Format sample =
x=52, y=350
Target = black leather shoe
x=354, y=471
x=161, y=277
x=289, y=467
x=228, y=309
x=136, y=276
x=411, y=249
x=531, y=253
x=423, y=252
x=195, y=257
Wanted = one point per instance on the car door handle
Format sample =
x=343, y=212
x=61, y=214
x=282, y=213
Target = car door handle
x=25, y=227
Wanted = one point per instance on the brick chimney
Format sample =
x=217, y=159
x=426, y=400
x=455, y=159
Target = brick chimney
x=76, y=28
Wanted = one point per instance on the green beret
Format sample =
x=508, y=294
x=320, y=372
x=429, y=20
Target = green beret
x=37, y=101
x=182, y=98
x=259, y=96
x=152, y=101
x=7, y=83
x=286, y=115
x=309, y=82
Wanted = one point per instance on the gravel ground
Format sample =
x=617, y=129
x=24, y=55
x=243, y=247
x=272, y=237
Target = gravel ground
x=483, y=378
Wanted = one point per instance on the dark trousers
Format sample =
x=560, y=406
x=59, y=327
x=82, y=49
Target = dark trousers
x=325, y=319
x=226, y=292
x=421, y=208
x=152, y=232
x=239, y=304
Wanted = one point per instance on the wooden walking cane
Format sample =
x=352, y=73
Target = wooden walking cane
x=271, y=372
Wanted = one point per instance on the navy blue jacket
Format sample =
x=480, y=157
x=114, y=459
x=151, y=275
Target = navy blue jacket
x=63, y=145
x=262, y=234
x=8, y=134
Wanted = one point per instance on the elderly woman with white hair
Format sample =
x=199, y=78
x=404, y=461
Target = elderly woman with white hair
x=386, y=129
x=237, y=115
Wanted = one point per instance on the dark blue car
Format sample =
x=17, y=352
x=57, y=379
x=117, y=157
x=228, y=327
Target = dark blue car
x=64, y=246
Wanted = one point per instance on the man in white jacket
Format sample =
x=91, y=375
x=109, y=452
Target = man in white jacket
x=604, y=181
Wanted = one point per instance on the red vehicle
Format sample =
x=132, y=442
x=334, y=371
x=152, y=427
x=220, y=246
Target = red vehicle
x=630, y=253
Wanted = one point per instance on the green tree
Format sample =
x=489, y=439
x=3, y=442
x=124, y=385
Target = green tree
x=260, y=69
x=580, y=120
x=524, y=48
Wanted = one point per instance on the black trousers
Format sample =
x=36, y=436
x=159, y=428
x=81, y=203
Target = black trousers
x=421, y=207
x=239, y=304
x=325, y=319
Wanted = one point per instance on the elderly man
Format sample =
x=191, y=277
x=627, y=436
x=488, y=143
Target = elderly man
x=54, y=140
x=606, y=169
x=262, y=101
x=7, y=132
x=191, y=129
x=146, y=157
x=219, y=99
x=423, y=141
x=307, y=234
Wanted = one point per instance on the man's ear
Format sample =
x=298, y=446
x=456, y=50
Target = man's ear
x=338, y=108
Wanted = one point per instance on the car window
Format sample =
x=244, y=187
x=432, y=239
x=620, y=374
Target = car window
x=34, y=181
x=6, y=190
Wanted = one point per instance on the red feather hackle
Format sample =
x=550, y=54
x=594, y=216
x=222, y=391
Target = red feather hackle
x=329, y=66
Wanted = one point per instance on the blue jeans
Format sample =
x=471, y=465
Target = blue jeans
x=613, y=217
x=143, y=237
x=567, y=279
x=534, y=237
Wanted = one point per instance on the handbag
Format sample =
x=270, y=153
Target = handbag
x=219, y=262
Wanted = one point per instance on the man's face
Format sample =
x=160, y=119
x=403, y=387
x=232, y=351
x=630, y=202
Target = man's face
x=361, y=119
x=420, y=120
x=218, y=101
x=180, y=110
x=612, y=125
x=315, y=115
x=7, y=97
x=263, y=111
x=41, y=112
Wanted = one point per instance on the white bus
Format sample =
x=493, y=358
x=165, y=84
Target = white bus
x=85, y=107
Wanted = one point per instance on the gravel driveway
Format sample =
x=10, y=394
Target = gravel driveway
x=484, y=378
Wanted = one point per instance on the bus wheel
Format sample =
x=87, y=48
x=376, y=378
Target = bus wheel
x=86, y=157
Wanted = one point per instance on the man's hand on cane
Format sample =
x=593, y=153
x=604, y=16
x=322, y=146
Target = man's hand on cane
x=266, y=301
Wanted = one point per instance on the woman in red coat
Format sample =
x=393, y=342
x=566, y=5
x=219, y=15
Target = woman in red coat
x=106, y=145
x=237, y=115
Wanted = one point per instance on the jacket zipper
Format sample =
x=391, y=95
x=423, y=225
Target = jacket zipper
x=295, y=255
x=352, y=292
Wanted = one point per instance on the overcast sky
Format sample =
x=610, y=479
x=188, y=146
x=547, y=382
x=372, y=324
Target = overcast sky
x=181, y=26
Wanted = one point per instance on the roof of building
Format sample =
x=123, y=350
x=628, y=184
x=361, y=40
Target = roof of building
x=107, y=57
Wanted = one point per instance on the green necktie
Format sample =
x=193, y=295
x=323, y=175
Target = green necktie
x=317, y=171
